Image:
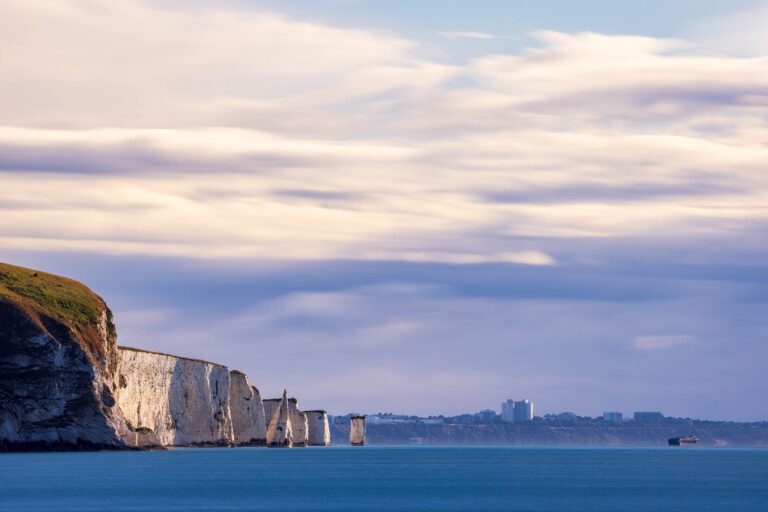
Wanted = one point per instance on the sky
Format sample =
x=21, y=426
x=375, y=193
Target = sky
x=412, y=207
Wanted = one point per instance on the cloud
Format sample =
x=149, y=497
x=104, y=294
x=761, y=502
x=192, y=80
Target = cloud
x=325, y=195
x=663, y=342
x=473, y=35
x=83, y=66
x=599, y=77
x=232, y=132
x=739, y=33
x=606, y=193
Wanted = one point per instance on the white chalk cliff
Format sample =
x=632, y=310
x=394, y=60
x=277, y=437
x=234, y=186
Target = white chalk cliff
x=184, y=402
x=298, y=427
x=270, y=408
x=247, y=411
x=66, y=385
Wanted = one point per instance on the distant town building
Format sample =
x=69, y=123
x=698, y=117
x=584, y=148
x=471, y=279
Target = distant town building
x=508, y=410
x=378, y=419
x=648, y=418
x=517, y=412
x=523, y=411
x=613, y=416
x=485, y=415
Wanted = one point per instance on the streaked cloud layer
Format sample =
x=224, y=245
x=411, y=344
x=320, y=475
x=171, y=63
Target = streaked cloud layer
x=234, y=133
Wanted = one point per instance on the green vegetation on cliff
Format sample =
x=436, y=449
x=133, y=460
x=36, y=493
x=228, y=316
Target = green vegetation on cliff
x=65, y=301
x=55, y=296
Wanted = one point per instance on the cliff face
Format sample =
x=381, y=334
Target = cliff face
x=298, y=427
x=318, y=431
x=184, y=402
x=65, y=384
x=247, y=411
x=270, y=408
x=57, y=365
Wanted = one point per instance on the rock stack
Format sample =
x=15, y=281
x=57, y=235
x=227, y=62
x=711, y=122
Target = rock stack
x=318, y=431
x=279, y=432
x=357, y=431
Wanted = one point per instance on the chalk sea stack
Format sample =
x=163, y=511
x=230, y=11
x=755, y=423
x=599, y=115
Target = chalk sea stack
x=318, y=430
x=65, y=384
x=357, y=431
x=279, y=431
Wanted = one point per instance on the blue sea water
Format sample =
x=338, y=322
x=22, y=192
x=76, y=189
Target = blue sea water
x=389, y=478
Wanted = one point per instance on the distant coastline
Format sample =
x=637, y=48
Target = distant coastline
x=579, y=431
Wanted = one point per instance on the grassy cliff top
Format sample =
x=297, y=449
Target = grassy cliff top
x=64, y=299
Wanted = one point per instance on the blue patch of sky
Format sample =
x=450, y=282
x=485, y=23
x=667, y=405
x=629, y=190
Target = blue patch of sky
x=512, y=21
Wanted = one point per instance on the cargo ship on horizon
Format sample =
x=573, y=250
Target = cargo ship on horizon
x=682, y=441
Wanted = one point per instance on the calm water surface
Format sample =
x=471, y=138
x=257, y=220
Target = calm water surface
x=390, y=478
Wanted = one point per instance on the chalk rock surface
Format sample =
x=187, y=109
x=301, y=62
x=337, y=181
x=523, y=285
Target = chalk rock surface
x=270, y=408
x=184, y=402
x=357, y=431
x=247, y=411
x=279, y=433
x=318, y=431
x=298, y=427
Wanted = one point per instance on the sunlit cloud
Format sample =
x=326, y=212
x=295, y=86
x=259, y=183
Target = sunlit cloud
x=737, y=33
x=474, y=35
x=233, y=132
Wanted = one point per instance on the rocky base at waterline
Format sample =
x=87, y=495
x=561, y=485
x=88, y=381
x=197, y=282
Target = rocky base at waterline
x=66, y=385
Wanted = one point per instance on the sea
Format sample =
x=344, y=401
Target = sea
x=389, y=478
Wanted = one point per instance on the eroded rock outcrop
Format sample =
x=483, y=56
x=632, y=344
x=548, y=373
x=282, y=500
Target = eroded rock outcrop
x=58, y=360
x=247, y=411
x=279, y=433
x=357, y=431
x=318, y=431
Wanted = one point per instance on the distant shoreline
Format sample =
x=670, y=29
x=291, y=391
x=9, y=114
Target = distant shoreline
x=584, y=432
